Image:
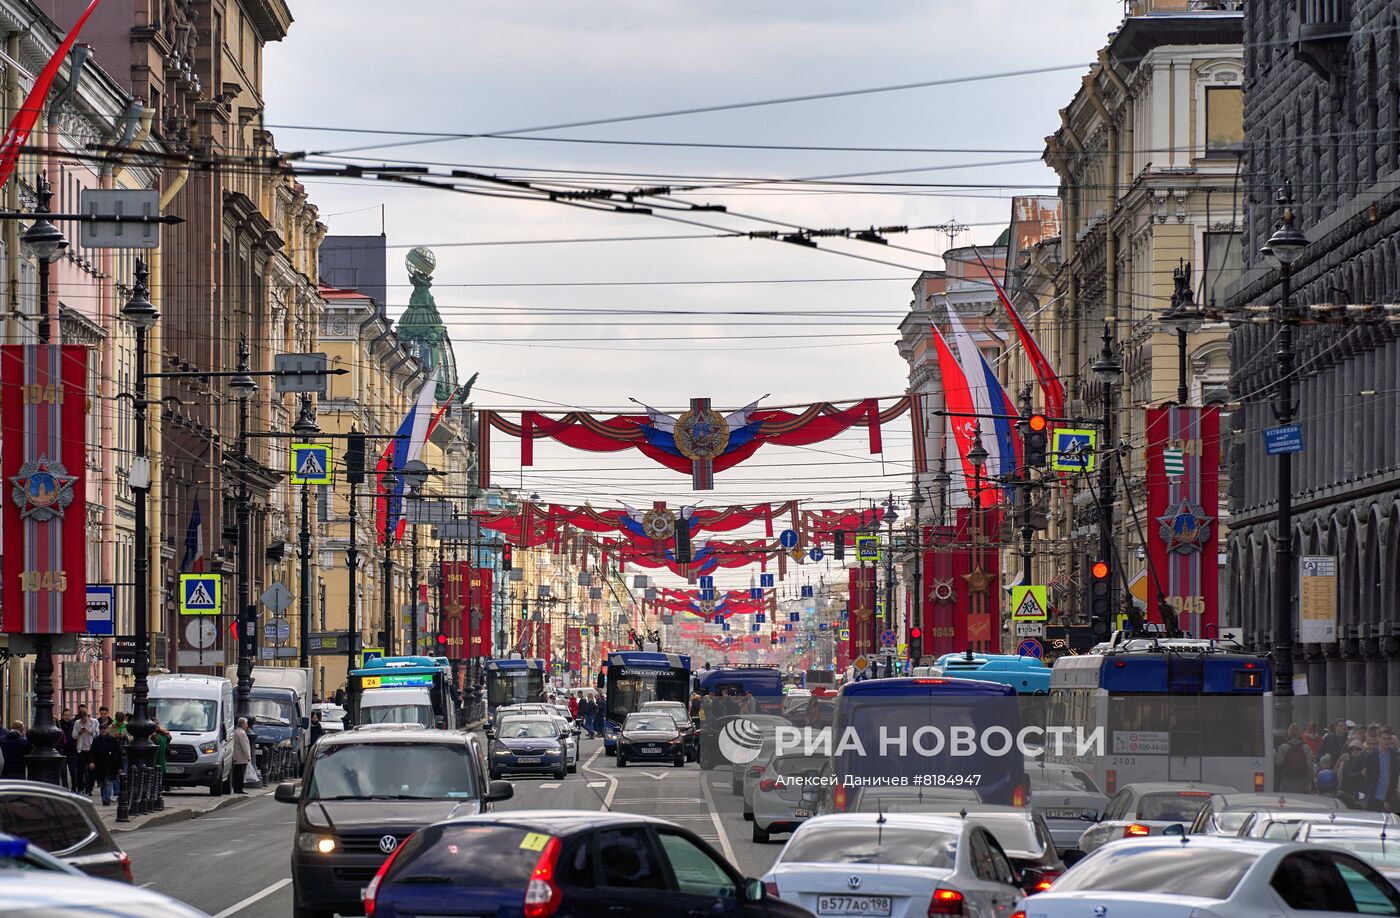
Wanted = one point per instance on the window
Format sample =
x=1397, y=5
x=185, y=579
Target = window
x=1224, y=119
x=1372, y=895
x=1223, y=265
x=628, y=860
x=486, y=856
x=696, y=872
x=50, y=824
x=865, y=845
x=1211, y=873
x=1317, y=881
x=576, y=867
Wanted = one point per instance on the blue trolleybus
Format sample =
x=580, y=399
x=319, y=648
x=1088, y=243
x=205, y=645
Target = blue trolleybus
x=1027, y=675
x=513, y=682
x=635, y=677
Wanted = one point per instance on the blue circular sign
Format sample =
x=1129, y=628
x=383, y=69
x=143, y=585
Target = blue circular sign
x=1030, y=647
x=787, y=538
x=816, y=554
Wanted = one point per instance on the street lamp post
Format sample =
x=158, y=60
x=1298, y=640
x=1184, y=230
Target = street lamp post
x=140, y=751
x=45, y=763
x=1109, y=371
x=1184, y=318
x=352, y=552
x=243, y=388
x=389, y=623
x=977, y=455
x=305, y=427
x=891, y=516
x=1283, y=248
x=915, y=617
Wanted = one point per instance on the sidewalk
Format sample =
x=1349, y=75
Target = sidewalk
x=180, y=805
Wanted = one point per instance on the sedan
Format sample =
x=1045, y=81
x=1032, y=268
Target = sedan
x=1282, y=825
x=528, y=745
x=778, y=804
x=896, y=866
x=1139, y=810
x=681, y=715
x=567, y=735
x=1225, y=813
x=650, y=736
x=49, y=893
x=1215, y=876
x=1373, y=844
x=1067, y=798
x=63, y=824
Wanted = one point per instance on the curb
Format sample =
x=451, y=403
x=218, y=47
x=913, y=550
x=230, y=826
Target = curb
x=184, y=814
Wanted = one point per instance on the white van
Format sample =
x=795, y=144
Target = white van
x=408, y=705
x=198, y=712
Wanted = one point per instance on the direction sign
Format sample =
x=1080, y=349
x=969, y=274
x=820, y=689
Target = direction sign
x=787, y=538
x=311, y=463
x=424, y=512
x=1029, y=603
x=1285, y=439
x=1072, y=450
x=765, y=581
x=867, y=548
x=201, y=594
x=1030, y=647
x=300, y=373
x=888, y=638
x=101, y=602
x=816, y=554
x=128, y=222
x=454, y=531
x=276, y=597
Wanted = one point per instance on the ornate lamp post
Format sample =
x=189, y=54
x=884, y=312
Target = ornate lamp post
x=243, y=387
x=1184, y=317
x=1109, y=371
x=305, y=427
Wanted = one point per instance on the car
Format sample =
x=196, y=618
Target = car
x=1377, y=845
x=34, y=893
x=1067, y=798
x=650, y=736
x=364, y=792
x=19, y=854
x=1223, y=814
x=1148, y=807
x=515, y=710
x=529, y=745
x=681, y=714
x=65, y=825
x=1284, y=824
x=778, y=796
x=578, y=863
x=1213, y=876
x=332, y=716
x=709, y=756
x=567, y=733
x=897, y=865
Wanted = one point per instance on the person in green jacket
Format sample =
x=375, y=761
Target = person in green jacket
x=161, y=737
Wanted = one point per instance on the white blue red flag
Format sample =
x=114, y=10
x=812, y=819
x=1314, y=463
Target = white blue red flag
x=406, y=446
x=993, y=407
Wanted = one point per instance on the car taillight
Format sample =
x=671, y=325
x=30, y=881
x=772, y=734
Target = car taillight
x=1259, y=782
x=755, y=771
x=1018, y=795
x=768, y=784
x=1019, y=913
x=946, y=902
x=126, y=868
x=372, y=890
x=1047, y=878
x=1136, y=830
x=838, y=798
x=771, y=888
x=543, y=895
x=1110, y=780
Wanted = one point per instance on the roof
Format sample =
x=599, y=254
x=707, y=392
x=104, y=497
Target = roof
x=1177, y=787
x=890, y=820
x=409, y=734
x=560, y=822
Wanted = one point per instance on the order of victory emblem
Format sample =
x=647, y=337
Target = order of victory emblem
x=42, y=490
x=1184, y=528
x=659, y=524
x=702, y=434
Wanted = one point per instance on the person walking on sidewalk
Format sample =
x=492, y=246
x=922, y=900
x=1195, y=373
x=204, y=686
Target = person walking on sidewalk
x=14, y=746
x=242, y=755
x=161, y=737
x=106, y=762
x=70, y=756
x=84, y=732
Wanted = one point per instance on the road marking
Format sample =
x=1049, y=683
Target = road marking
x=611, y=781
x=255, y=897
x=597, y=784
x=548, y=785
x=714, y=816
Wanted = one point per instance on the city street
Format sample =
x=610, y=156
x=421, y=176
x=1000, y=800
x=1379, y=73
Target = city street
x=235, y=861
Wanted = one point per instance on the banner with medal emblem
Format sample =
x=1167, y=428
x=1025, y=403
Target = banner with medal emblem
x=1183, y=516
x=43, y=409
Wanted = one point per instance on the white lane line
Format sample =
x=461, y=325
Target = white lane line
x=714, y=816
x=597, y=784
x=548, y=785
x=611, y=780
x=255, y=897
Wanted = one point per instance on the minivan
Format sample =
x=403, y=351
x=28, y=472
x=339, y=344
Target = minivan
x=198, y=712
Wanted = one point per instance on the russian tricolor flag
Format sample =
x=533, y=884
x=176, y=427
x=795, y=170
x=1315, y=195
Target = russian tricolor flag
x=406, y=446
x=972, y=388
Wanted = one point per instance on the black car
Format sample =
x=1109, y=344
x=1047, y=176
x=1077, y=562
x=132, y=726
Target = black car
x=681, y=715
x=650, y=736
x=65, y=825
x=529, y=745
x=707, y=741
x=556, y=863
x=364, y=792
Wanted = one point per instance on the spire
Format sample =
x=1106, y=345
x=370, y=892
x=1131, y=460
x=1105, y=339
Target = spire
x=421, y=325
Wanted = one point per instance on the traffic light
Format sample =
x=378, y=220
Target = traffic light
x=839, y=552
x=505, y=557
x=1037, y=440
x=682, y=540
x=441, y=641
x=916, y=645
x=355, y=458
x=1100, y=598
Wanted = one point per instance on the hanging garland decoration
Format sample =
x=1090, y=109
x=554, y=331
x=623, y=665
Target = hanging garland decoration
x=699, y=442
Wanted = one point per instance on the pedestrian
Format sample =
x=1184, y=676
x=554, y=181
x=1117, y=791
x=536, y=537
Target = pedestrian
x=1351, y=774
x=1293, y=763
x=586, y=711
x=749, y=705
x=14, y=746
x=317, y=731
x=104, y=716
x=573, y=706
x=707, y=708
x=70, y=760
x=1382, y=768
x=1313, y=738
x=694, y=705
x=242, y=755
x=84, y=732
x=105, y=762
x=1335, y=742
x=161, y=737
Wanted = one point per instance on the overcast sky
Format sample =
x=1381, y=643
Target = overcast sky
x=470, y=67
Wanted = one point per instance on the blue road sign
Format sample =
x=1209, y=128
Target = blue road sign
x=787, y=538
x=707, y=595
x=823, y=626
x=707, y=582
x=794, y=616
x=889, y=638
x=807, y=591
x=765, y=580
x=816, y=554
x=1030, y=647
x=1072, y=449
x=760, y=617
x=755, y=592
x=311, y=463
x=201, y=594
x=1286, y=439
x=101, y=603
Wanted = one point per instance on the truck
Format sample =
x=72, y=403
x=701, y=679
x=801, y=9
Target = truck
x=403, y=690
x=280, y=706
x=296, y=678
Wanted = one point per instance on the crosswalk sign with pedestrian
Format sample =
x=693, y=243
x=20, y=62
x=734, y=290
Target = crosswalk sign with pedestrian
x=311, y=463
x=201, y=594
x=1030, y=603
x=1072, y=450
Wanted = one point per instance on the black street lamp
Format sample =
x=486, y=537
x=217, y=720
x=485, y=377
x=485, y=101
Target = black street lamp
x=915, y=618
x=141, y=752
x=45, y=763
x=305, y=427
x=977, y=455
x=1283, y=248
x=891, y=517
x=1109, y=371
x=1184, y=317
x=243, y=387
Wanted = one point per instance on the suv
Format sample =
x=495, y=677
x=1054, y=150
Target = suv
x=63, y=824
x=363, y=793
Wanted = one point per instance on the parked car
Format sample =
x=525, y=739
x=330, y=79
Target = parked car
x=650, y=736
x=1216, y=876
x=899, y=865
x=19, y=854
x=1284, y=824
x=1067, y=798
x=529, y=745
x=57, y=895
x=332, y=716
x=364, y=792
x=1223, y=814
x=1146, y=808
x=65, y=825
x=198, y=711
x=680, y=713
x=778, y=796
x=579, y=863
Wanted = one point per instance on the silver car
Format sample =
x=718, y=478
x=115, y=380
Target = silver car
x=778, y=804
x=1225, y=813
x=1282, y=825
x=1146, y=808
x=1067, y=798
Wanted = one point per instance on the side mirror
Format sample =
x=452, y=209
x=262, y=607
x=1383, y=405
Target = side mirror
x=287, y=792
x=1030, y=879
x=499, y=790
x=1175, y=828
x=754, y=891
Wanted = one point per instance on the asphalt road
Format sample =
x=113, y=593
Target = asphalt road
x=235, y=861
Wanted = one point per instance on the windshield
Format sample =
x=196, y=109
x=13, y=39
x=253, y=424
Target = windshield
x=661, y=721
x=269, y=711
x=398, y=714
x=425, y=771
x=512, y=686
x=528, y=729
x=1211, y=873
x=186, y=715
x=1171, y=807
x=832, y=844
x=1063, y=778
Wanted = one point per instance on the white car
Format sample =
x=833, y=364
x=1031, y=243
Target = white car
x=332, y=716
x=1282, y=825
x=1212, y=876
x=1377, y=845
x=1226, y=813
x=1067, y=798
x=1146, y=808
x=59, y=895
x=895, y=866
x=777, y=798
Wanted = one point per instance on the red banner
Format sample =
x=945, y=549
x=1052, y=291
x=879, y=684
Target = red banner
x=862, y=611
x=479, y=611
x=1183, y=517
x=43, y=406
x=573, y=649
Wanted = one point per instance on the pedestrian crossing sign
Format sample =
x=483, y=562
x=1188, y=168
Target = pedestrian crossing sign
x=311, y=463
x=201, y=594
x=1029, y=604
x=1072, y=450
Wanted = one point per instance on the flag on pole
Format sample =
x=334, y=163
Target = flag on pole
x=407, y=445
x=193, y=562
x=995, y=408
x=957, y=399
x=1050, y=384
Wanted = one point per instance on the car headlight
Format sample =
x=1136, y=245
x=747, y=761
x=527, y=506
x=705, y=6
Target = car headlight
x=208, y=748
x=673, y=742
x=285, y=744
x=315, y=841
x=502, y=751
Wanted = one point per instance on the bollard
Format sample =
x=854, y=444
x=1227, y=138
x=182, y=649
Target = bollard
x=124, y=800
x=158, y=803
x=143, y=790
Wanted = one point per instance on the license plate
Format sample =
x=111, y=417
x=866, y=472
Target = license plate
x=651, y=748
x=1063, y=814
x=528, y=759
x=854, y=905
x=802, y=814
x=175, y=769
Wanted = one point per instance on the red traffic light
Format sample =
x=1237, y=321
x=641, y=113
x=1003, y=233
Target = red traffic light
x=1037, y=422
x=1099, y=570
x=915, y=633
x=442, y=640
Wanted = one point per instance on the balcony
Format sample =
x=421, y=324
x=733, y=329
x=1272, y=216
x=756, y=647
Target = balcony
x=1324, y=31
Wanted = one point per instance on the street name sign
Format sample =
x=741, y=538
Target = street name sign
x=1285, y=439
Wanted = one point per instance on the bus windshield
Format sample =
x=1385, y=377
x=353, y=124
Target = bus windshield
x=629, y=689
x=513, y=686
